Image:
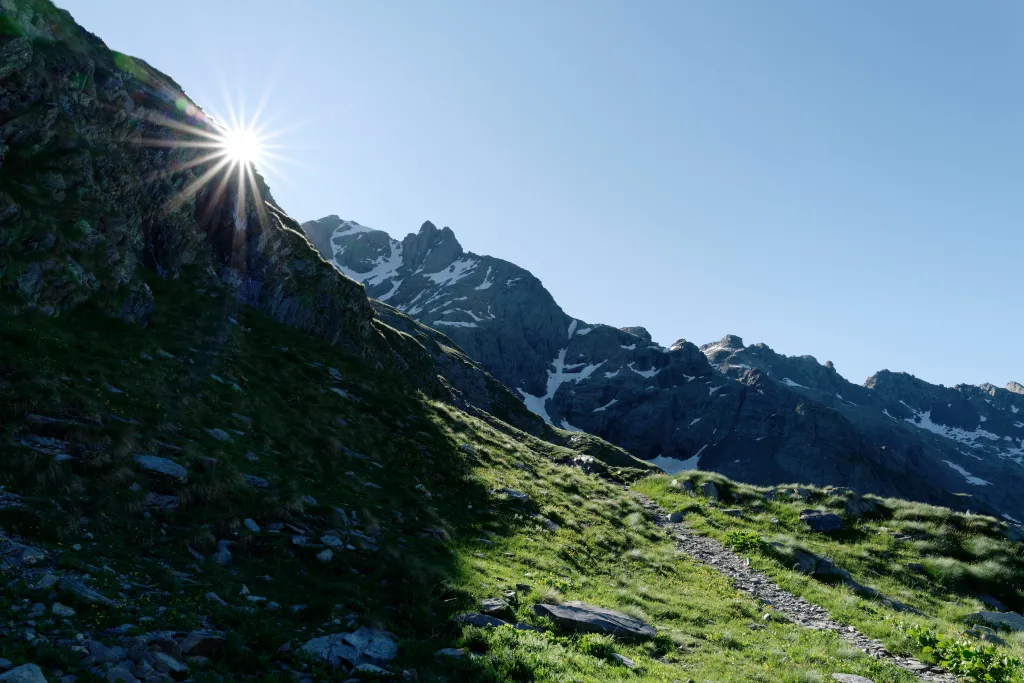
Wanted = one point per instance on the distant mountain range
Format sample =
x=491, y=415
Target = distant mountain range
x=745, y=411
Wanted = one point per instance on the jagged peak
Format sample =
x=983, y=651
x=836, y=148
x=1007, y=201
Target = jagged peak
x=1015, y=387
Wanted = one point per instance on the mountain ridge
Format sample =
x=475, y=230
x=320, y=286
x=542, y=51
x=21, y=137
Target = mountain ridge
x=747, y=411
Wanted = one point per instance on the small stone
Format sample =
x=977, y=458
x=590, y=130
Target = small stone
x=62, y=610
x=251, y=525
x=325, y=555
x=162, y=466
x=256, y=482
x=216, y=599
x=456, y=652
x=223, y=555
x=218, y=434
x=496, y=607
x=623, y=660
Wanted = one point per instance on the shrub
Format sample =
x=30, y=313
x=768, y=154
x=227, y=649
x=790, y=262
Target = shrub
x=968, y=659
x=744, y=541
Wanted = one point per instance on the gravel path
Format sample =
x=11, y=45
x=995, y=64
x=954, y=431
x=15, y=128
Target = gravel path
x=759, y=586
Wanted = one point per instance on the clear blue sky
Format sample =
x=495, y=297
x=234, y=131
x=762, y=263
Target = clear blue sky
x=841, y=179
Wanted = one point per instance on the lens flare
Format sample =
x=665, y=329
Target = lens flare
x=242, y=145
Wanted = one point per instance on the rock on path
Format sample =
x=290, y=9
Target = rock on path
x=761, y=587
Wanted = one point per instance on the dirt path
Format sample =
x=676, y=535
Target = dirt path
x=761, y=587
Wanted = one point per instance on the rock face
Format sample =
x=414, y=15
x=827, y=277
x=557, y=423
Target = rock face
x=584, y=618
x=745, y=411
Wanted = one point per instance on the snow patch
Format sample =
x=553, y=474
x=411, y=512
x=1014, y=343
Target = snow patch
x=609, y=375
x=512, y=281
x=644, y=373
x=572, y=328
x=712, y=390
x=556, y=378
x=568, y=427
x=954, y=433
x=385, y=267
x=840, y=397
x=607, y=405
x=486, y=284
x=395, y=284
x=695, y=421
x=454, y=323
x=631, y=347
x=585, y=330
x=790, y=383
x=675, y=465
x=1014, y=409
x=885, y=411
x=453, y=273
x=970, y=478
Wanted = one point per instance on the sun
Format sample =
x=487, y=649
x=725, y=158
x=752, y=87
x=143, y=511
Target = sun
x=241, y=145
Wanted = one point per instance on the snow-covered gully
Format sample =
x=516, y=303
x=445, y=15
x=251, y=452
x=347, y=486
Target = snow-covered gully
x=761, y=587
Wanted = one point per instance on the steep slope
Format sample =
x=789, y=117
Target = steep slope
x=747, y=412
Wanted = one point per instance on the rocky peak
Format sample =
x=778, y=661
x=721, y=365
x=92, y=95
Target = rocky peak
x=1015, y=388
x=638, y=332
x=431, y=249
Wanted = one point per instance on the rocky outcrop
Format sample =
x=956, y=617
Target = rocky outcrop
x=746, y=411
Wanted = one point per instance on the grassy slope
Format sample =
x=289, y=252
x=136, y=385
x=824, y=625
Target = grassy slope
x=962, y=555
x=301, y=437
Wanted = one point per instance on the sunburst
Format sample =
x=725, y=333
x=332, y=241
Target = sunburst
x=236, y=147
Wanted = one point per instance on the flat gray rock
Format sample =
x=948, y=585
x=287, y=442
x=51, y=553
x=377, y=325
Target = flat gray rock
x=26, y=673
x=479, y=620
x=581, y=617
x=157, y=465
x=850, y=678
x=1010, y=620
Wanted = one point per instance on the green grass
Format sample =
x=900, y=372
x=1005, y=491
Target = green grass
x=933, y=559
x=307, y=440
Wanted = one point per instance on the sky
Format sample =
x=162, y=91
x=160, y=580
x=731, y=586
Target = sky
x=840, y=179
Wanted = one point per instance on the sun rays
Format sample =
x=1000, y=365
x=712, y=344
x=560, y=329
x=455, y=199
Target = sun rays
x=222, y=152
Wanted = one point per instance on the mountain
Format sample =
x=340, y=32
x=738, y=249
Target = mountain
x=745, y=411
x=220, y=461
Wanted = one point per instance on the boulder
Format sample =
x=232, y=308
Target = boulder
x=675, y=517
x=202, y=642
x=822, y=522
x=26, y=673
x=584, y=618
x=850, y=678
x=709, y=490
x=154, y=464
x=857, y=506
x=83, y=593
x=363, y=646
x=1010, y=620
